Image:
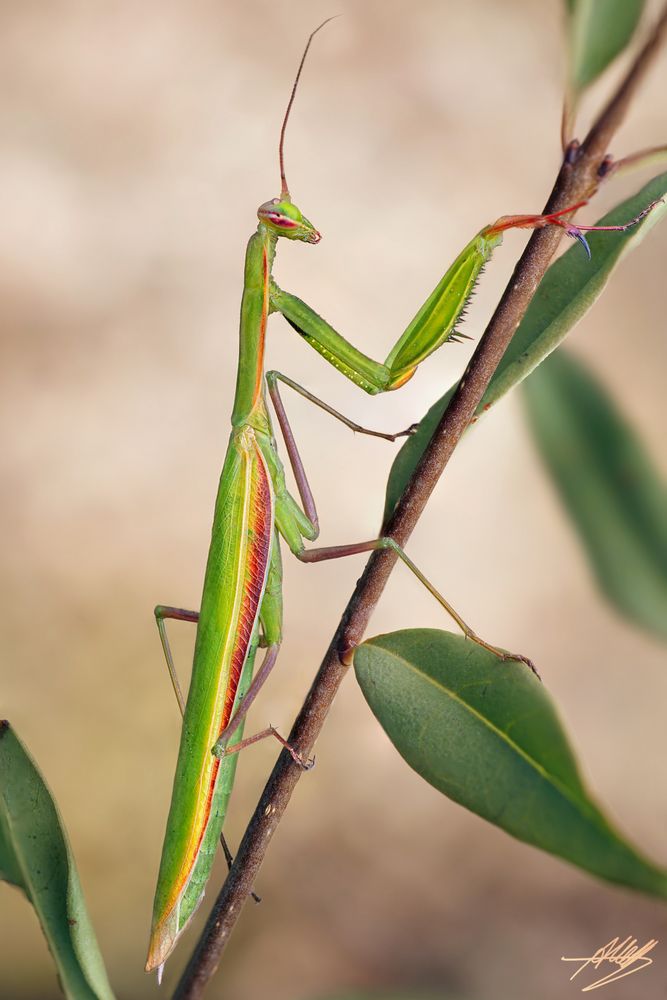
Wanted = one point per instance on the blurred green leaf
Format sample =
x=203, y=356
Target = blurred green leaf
x=485, y=733
x=35, y=856
x=598, y=31
x=608, y=484
x=568, y=290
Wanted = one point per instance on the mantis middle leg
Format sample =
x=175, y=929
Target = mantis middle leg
x=295, y=523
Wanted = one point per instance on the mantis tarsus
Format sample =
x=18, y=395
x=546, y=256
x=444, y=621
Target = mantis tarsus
x=241, y=607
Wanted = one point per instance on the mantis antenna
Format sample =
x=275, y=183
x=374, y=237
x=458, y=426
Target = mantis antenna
x=284, y=191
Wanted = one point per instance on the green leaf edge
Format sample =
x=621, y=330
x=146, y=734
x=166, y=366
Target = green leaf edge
x=638, y=540
x=588, y=808
x=79, y=962
x=584, y=67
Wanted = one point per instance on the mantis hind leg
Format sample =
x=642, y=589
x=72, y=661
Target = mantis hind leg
x=162, y=612
x=339, y=551
x=221, y=748
x=295, y=524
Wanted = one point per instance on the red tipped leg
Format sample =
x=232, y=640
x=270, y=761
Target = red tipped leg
x=556, y=219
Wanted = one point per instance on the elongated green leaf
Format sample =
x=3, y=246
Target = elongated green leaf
x=599, y=30
x=35, y=856
x=613, y=494
x=485, y=733
x=568, y=290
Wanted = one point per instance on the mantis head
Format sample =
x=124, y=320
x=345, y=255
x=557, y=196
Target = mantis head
x=282, y=217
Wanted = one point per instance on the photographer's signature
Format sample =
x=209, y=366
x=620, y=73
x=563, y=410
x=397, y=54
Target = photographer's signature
x=626, y=955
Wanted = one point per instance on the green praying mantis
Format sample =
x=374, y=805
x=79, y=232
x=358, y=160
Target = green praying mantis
x=241, y=606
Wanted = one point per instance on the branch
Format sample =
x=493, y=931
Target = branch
x=578, y=179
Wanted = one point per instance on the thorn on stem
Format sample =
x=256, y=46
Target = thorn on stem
x=606, y=167
x=572, y=151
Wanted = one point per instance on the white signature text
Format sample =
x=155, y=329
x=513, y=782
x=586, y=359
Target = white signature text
x=626, y=955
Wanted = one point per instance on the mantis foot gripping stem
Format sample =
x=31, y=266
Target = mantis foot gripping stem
x=220, y=750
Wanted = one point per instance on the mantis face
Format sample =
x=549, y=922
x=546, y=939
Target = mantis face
x=283, y=218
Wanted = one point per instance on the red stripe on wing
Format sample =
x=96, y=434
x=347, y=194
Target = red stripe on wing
x=260, y=534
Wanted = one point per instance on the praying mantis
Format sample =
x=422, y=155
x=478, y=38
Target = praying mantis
x=241, y=606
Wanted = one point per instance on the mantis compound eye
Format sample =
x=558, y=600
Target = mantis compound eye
x=283, y=218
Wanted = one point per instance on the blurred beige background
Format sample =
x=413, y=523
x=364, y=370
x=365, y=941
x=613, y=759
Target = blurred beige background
x=137, y=142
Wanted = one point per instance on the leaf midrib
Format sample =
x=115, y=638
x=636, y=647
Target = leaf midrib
x=585, y=807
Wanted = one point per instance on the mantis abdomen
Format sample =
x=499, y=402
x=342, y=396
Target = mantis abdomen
x=236, y=575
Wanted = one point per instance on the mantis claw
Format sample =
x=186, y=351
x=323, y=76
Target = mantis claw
x=220, y=748
x=576, y=234
x=502, y=654
x=308, y=764
x=523, y=659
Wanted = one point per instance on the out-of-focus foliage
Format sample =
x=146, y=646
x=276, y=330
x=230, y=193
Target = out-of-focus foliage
x=598, y=31
x=36, y=857
x=612, y=492
x=485, y=733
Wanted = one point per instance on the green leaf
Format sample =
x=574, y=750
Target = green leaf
x=598, y=31
x=566, y=293
x=608, y=484
x=35, y=856
x=485, y=733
